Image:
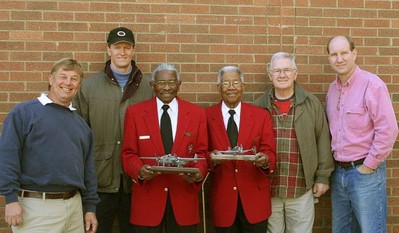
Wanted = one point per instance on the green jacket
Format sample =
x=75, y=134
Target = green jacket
x=102, y=103
x=312, y=133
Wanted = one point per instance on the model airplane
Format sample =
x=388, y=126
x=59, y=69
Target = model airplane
x=237, y=150
x=173, y=160
x=237, y=153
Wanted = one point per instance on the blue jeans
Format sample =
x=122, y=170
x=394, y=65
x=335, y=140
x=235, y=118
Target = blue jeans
x=359, y=201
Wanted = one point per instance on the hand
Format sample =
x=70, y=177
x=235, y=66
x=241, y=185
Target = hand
x=320, y=189
x=13, y=214
x=146, y=174
x=216, y=161
x=261, y=160
x=364, y=169
x=192, y=177
x=91, y=223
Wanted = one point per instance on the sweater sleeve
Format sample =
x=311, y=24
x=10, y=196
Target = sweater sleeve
x=11, y=142
x=89, y=194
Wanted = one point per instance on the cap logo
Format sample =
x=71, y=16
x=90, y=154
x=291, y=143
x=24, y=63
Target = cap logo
x=121, y=33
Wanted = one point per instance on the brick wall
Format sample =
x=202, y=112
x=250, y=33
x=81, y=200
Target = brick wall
x=201, y=36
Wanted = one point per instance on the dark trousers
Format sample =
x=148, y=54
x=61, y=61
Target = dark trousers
x=241, y=224
x=168, y=222
x=111, y=205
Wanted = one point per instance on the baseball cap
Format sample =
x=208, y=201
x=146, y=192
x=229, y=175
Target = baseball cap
x=120, y=34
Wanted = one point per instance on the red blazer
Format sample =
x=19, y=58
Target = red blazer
x=142, y=138
x=232, y=178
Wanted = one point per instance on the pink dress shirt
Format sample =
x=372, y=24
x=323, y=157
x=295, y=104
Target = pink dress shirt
x=361, y=118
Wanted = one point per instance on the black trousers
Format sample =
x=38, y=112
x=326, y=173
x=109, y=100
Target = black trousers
x=168, y=224
x=114, y=205
x=241, y=224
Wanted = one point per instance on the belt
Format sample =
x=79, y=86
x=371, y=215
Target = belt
x=346, y=165
x=48, y=195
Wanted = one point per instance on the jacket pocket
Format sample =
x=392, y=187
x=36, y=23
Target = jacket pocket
x=104, y=162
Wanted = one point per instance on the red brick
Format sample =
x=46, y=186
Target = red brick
x=41, y=5
x=7, y=25
x=118, y=18
x=195, y=9
x=165, y=8
x=41, y=26
x=74, y=6
x=95, y=17
x=105, y=7
x=210, y=58
x=374, y=4
x=178, y=58
x=13, y=5
x=58, y=36
x=5, y=16
x=26, y=56
x=136, y=8
x=227, y=10
x=194, y=48
x=178, y=38
x=26, y=15
x=74, y=26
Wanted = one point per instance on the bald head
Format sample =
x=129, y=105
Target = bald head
x=347, y=38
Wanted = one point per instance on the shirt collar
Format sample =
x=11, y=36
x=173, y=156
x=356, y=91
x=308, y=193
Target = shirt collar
x=225, y=109
x=352, y=79
x=172, y=105
x=43, y=98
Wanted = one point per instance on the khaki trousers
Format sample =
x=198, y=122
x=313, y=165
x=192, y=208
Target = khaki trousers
x=292, y=215
x=51, y=215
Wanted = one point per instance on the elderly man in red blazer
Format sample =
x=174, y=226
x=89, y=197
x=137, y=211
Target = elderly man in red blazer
x=167, y=201
x=240, y=189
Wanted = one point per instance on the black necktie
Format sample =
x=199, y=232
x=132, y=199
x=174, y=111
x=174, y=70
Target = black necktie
x=166, y=130
x=232, y=130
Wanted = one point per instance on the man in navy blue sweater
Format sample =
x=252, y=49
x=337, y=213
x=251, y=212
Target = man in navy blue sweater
x=46, y=165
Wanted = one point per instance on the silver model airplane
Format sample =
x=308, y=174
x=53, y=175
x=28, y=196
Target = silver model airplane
x=237, y=150
x=173, y=160
x=237, y=153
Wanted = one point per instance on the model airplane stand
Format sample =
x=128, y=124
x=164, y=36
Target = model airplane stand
x=174, y=170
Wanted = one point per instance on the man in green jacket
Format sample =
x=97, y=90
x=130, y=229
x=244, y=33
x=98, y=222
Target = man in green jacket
x=102, y=102
x=304, y=160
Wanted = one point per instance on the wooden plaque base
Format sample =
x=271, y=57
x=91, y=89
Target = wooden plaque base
x=234, y=157
x=173, y=170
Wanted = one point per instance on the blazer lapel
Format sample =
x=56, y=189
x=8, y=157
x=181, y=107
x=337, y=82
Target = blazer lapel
x=151, y=121
x=182, y=124
x=246, y=126
x=217, y=126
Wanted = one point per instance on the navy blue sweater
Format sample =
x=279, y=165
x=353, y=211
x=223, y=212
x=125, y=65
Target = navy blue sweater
x=47, y=148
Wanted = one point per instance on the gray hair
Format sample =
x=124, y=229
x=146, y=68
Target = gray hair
x=165, y=66
x=227, y=69
x=280, y=55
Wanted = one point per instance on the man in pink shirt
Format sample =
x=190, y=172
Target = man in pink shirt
x=363, y=129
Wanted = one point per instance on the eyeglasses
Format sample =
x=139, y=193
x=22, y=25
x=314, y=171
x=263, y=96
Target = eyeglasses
x=164, y=83
x=285, y=71
x=232, y=83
